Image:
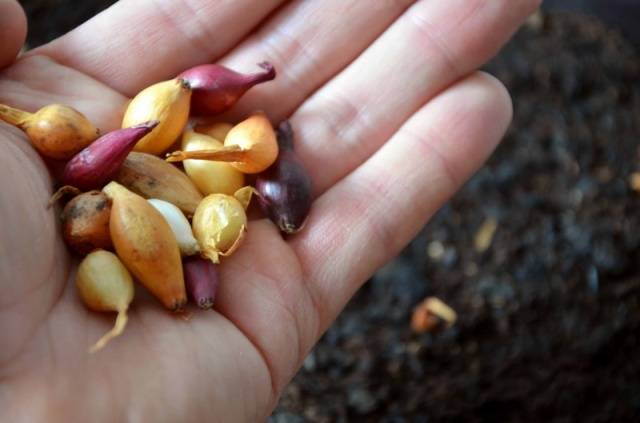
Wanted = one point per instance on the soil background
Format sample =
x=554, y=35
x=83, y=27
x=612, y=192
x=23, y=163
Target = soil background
x=548, y=313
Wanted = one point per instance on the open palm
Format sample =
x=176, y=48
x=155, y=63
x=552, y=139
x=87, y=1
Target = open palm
x=390, y=117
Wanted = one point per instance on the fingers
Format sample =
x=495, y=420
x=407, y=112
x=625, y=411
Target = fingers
x=433, y=44
x=13, y=31
x=137, y=42
x=308, y=42
x=36, y=81
x=365, y=219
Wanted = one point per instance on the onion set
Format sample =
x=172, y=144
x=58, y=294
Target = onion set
x=250, y=146
x=166, y=102
x=217, y=130
x=152, y=177
x=217, y=88
x=220, y=223
x=104, y=284
x=56, y=131
x=100, y=162
x=146, y=244
x=285, y=188
x=179, y=225
x=210, y=177
x=85, y=222
x=202, y=279
x=136, y=216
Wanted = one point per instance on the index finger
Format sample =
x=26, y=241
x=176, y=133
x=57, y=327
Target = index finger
x=137, y=42
x=13, y=29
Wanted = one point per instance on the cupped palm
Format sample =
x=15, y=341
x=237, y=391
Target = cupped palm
x=389, y=125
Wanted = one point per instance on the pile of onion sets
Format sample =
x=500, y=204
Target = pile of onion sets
x=164, y=200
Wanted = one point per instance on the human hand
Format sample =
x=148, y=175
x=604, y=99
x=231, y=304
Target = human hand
x=390, y=117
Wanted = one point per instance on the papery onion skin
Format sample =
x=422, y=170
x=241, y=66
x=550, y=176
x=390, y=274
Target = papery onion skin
x=219, y=225
x=85, y=222
x=217, y=88
x=56, y=131
x=255, y=135
x=202, y=278
x=285, y=189
x=146, y=244
x=250, y=146
x=210, y=177
x=152, y=177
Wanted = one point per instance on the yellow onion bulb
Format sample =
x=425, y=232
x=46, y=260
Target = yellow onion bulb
x=217, y=130
x=56, y=130
x=250, y=146
x=210, y=177
x=146, y=244
x=257, y=138
x=219, y=225
x=104, y=284
x=166, y=102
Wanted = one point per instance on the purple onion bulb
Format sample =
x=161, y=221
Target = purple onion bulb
x=285, y=187
x=100, y=162
x=215, y=88
x=201, y=280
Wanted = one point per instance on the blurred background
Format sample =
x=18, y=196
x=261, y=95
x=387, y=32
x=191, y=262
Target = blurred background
x=539, y=254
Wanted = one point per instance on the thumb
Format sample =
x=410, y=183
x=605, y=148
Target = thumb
x=13, y=30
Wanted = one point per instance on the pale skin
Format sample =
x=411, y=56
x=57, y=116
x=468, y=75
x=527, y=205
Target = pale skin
x=391, y=119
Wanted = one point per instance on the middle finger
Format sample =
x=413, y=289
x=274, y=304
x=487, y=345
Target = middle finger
x=308, y=42
x=431, y=46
